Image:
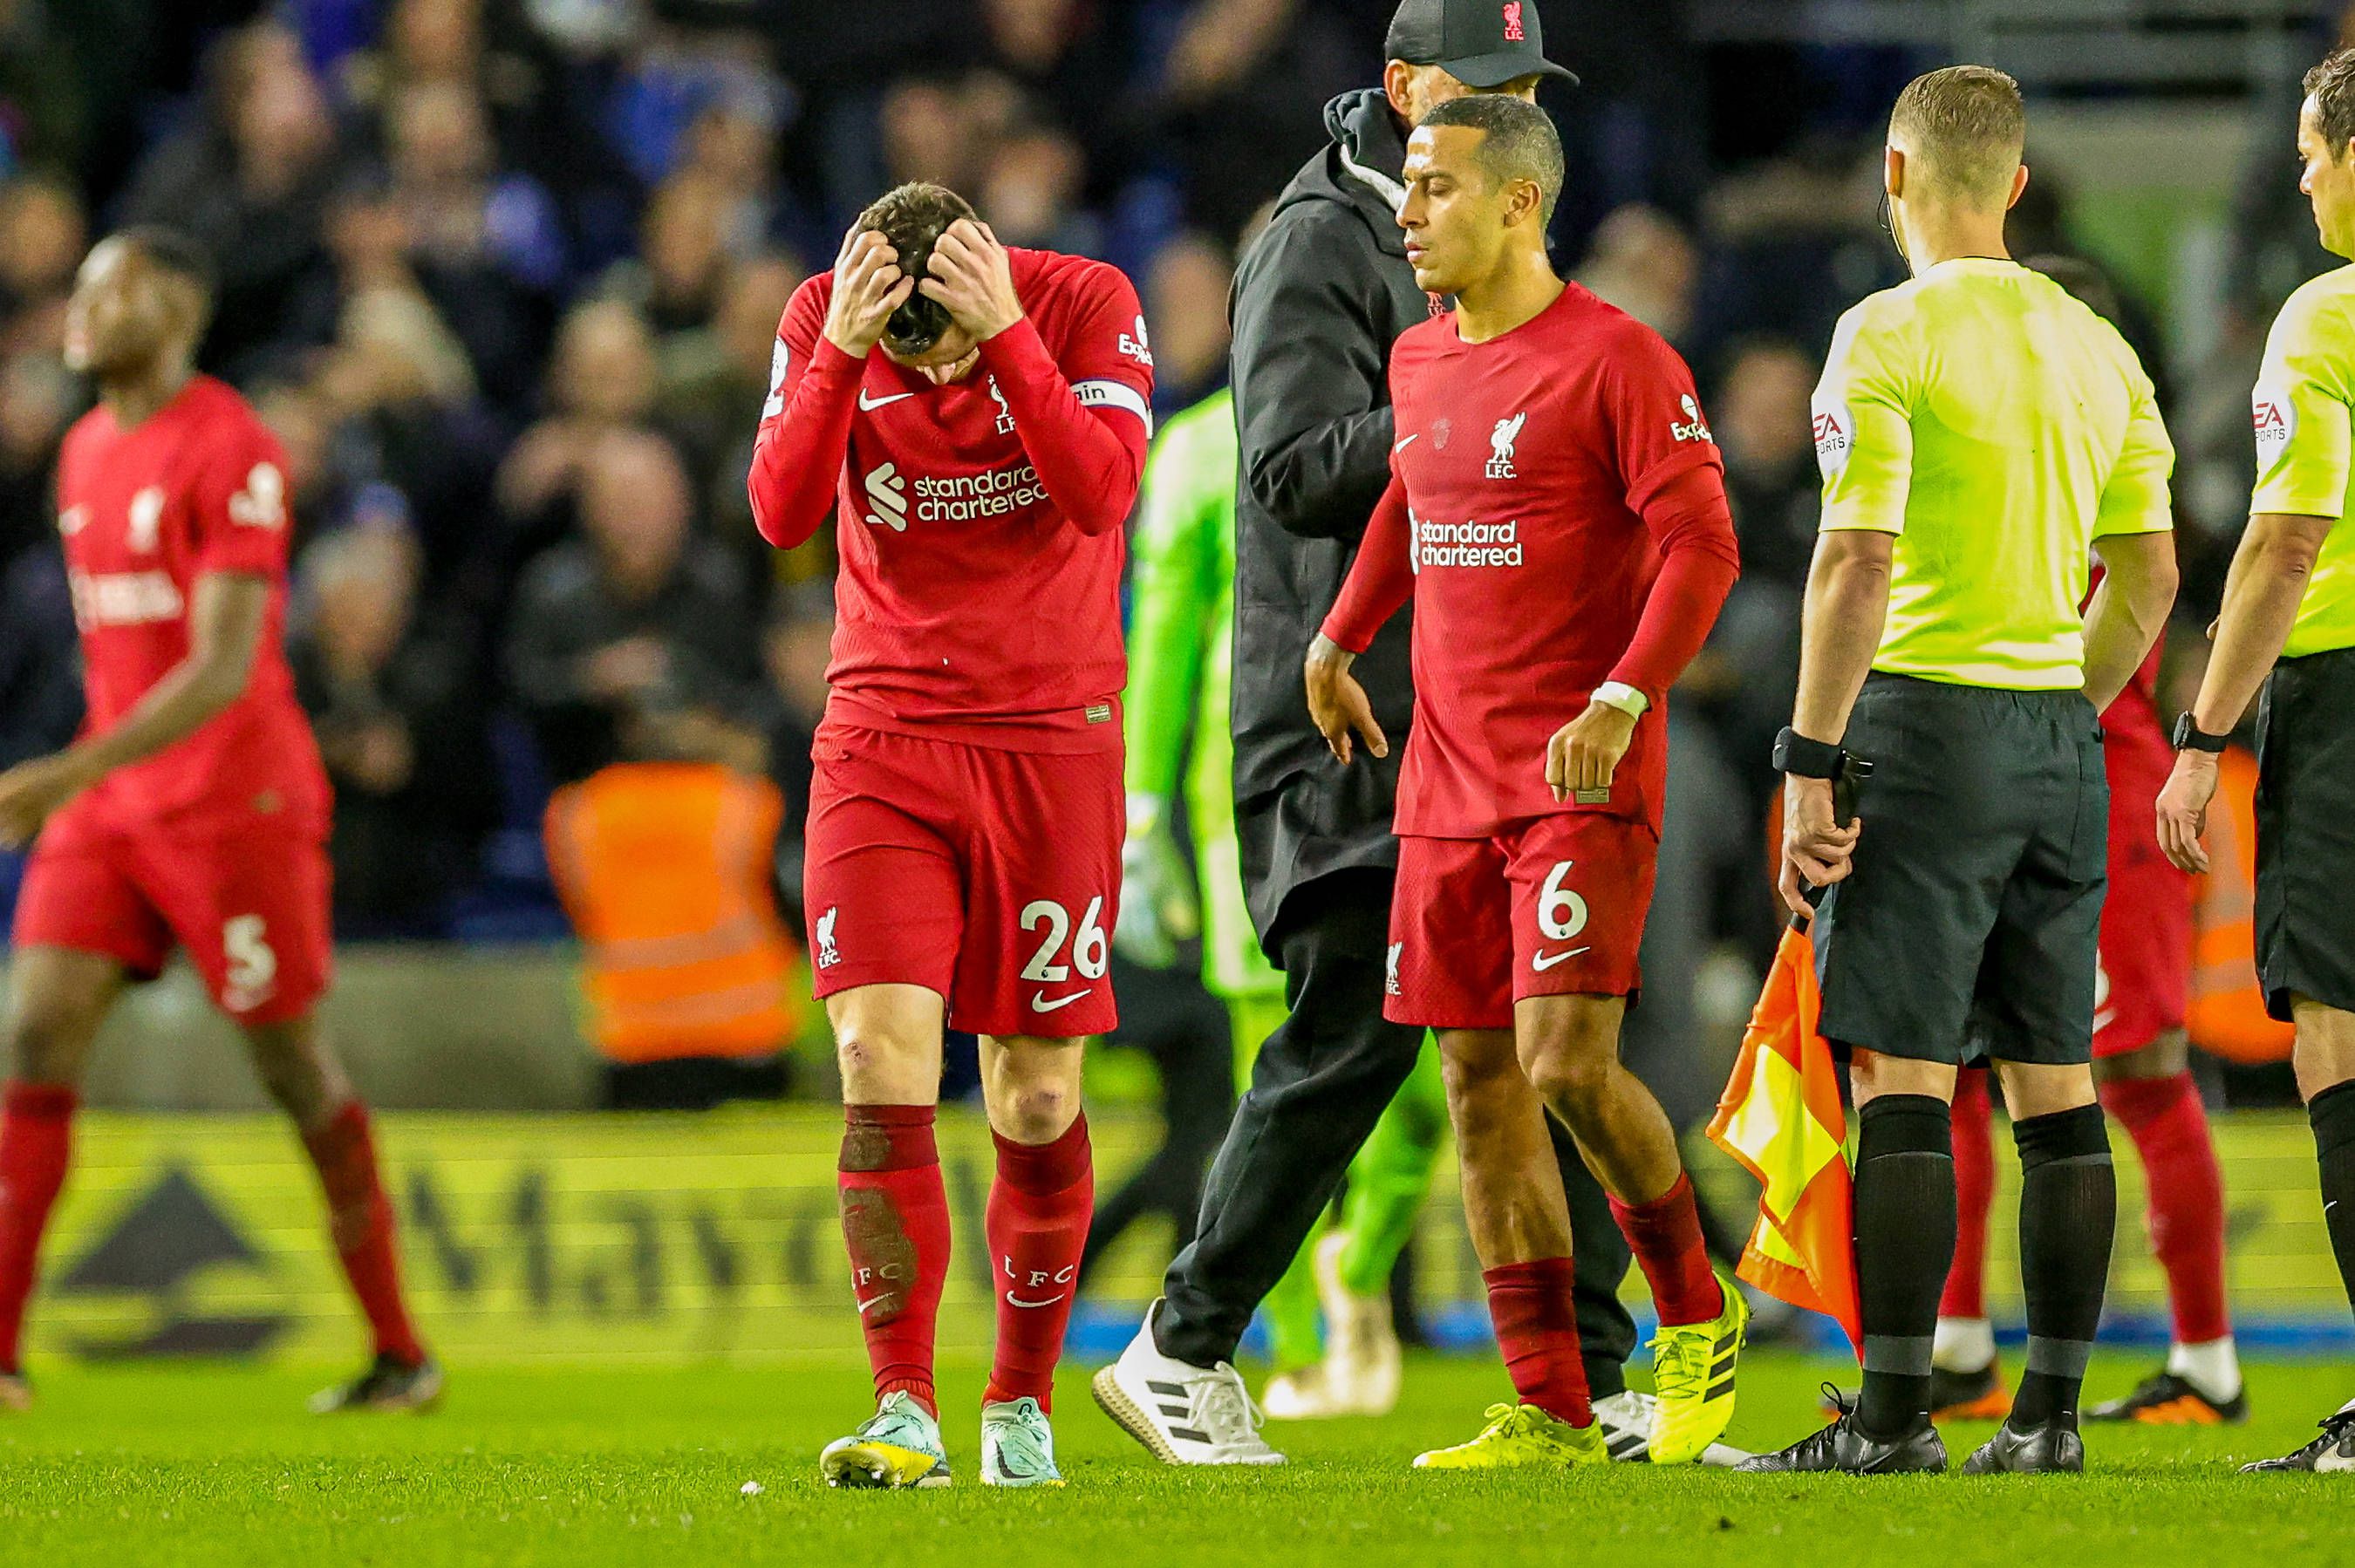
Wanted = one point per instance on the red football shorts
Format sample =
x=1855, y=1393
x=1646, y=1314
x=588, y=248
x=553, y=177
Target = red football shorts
x=2142, y=978
x=1551, y=906
x=248, y=904
x=989, y=875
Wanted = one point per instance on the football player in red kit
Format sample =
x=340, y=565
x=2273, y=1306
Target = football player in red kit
x=193, y=811
x=966, y=815
x=1557, y=509
x=2141, y=1070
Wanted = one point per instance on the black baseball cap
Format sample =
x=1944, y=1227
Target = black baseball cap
x=1480, y=43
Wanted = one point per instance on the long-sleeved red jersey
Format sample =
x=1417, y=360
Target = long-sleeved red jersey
x=979, y=523
x=1557, y=511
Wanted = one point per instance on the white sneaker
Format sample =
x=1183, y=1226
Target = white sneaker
x=1362, y=1363
x=1306, y=1393
x=1184, y=1414
x=1626, y=1421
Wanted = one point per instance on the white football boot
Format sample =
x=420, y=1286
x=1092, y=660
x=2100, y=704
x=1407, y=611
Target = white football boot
x=1184, y=1414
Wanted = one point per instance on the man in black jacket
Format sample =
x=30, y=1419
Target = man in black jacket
x=1318, y=300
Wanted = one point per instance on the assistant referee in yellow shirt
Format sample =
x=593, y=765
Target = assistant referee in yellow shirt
x=2291, y=597
x=1982, y=435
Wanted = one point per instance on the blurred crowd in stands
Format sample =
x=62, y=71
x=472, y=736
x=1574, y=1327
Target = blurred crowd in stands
x=504, y=275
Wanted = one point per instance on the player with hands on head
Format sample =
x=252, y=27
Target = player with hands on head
x=976, y=420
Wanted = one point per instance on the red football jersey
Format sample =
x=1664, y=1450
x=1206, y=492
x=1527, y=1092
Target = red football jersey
x=968, y=604
x=1526, y=463
x=2135, y=742
x=199, y=487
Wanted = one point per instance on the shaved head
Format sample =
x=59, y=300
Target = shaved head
x=1962, y=130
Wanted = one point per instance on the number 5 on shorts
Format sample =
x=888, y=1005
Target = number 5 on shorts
x=253, y=964
x=1091, y=954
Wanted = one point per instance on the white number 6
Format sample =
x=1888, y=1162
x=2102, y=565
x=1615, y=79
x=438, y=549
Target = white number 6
x=1561, y=914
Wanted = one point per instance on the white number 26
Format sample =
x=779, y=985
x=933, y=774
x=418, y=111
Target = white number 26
x=1091, y=954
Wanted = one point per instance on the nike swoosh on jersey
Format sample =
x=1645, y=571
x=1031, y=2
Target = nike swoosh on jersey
x=1543, y=960
x=1402, y=445
x=868, y=404
x=1039, y=1004
x=1014, y=1300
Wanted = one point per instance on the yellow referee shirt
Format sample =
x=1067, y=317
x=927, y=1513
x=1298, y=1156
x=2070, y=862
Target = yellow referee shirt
x=2300, y=406
x=1996, y=427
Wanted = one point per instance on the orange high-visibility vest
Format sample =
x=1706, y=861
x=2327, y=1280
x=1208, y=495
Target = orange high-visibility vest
x=2228, y=1010
x=665, y=869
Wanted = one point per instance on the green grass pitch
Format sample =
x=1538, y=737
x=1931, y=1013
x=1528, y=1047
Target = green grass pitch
x=602, y=1465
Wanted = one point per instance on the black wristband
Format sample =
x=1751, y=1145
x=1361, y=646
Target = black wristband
x=1795, y=754
x=2189, y=737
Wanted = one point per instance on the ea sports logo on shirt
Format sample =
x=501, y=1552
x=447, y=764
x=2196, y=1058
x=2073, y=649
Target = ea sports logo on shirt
x=2274, y=419
x=1835, y=433
x=1693, y=427
x=889, y=494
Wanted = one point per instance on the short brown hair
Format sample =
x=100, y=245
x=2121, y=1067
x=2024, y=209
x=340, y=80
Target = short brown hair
x=912, y=217
x=1518, y=142
x=1967, y=126
x=2331, y=85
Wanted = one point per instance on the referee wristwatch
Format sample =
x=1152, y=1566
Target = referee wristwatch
x=1797, y=755
x=2189, y=737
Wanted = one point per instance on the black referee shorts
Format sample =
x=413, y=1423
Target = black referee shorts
x=1970, y=919
x=2306, y=832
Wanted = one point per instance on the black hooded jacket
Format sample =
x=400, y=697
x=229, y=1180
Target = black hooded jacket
x=1318, y=300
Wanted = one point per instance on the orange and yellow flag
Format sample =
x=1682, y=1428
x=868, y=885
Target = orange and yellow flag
x=1781, y=1118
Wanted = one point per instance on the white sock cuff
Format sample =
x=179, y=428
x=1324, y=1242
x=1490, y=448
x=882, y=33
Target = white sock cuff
x=1962, y=1344
x=2213, y=1366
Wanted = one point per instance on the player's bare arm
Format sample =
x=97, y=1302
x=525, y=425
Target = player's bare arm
x=2262, y=593
x=2129, y=610
x=1847, y=606
x=972, y=278
x=1338, y=704
x=226, y=618
x=868, y=287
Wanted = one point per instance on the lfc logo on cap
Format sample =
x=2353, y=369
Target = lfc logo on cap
x=1513, y=34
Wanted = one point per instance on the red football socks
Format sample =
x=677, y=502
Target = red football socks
x=2169, y=1128
x=1037, y=1224
x=895, y=1222
x=1966, y=1293
x=1536, y=1330
x=36, y=1139
x=1665, y=1236
x=359, y=1219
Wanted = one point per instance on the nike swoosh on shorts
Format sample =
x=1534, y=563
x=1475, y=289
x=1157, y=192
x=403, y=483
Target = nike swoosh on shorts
x=1039, y=1004
x=1544, y=961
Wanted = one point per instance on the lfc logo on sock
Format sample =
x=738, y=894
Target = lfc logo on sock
x=1058, y=1284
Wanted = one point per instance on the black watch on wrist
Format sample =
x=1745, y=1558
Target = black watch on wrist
x=2189, y=737
x=1795, y=754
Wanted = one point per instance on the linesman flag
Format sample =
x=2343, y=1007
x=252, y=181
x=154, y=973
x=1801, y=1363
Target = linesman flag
x=1781, y=1118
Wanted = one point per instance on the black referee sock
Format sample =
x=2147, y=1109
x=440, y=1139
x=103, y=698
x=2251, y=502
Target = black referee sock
x=2068, y=1216
x=1904, y=1242
x=2332, y=1113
